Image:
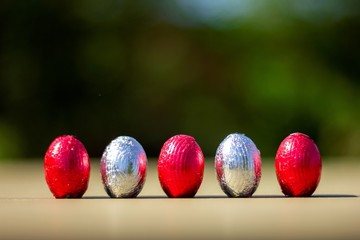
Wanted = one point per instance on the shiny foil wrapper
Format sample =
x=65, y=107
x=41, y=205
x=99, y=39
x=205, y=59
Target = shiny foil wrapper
x=67, y=167
x=123, y=168
x=181, y=166
x=298, y=165
x=238, y=166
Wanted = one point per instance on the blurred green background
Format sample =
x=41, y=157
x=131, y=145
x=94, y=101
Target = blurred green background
x=153, y=69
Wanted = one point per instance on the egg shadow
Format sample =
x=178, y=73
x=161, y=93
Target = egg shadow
x=312, y=196
x=154, y=197
x=189, y=198
x=96, y=197
x=130, y=198
x=335, y=196
x=224, y=197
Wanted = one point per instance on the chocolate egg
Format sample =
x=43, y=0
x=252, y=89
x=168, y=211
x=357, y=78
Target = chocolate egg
x=298, y=165
x=181, y=166
x=123, y=168
x=238, y=166
x=67, y=167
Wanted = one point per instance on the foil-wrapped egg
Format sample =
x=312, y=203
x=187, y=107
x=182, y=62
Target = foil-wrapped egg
x=123, y=168
x=238, y=166
x=67, y=167
x=298, y=165
x=181, y=166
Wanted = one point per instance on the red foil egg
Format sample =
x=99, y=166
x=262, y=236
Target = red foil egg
x=298, y=165
x=181, y=166
x=67, y=167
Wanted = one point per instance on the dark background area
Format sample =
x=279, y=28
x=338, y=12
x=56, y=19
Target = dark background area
x=153, y=69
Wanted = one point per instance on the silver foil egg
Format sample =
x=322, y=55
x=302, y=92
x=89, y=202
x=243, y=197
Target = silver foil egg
x=123, y=168
x=238, y=165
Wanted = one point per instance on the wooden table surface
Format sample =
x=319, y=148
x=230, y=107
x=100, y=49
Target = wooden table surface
x=28, y=210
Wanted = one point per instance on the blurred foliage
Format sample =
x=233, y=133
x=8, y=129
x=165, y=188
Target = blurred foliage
x=153, y=69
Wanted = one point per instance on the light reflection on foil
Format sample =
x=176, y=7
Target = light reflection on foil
x=238, y=165
x=123, y=167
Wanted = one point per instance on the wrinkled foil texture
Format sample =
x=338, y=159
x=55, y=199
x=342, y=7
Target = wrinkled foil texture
x=298, y=165
x=238, y=166
x=123, y=168
x=181, y=166
x=67, y=167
